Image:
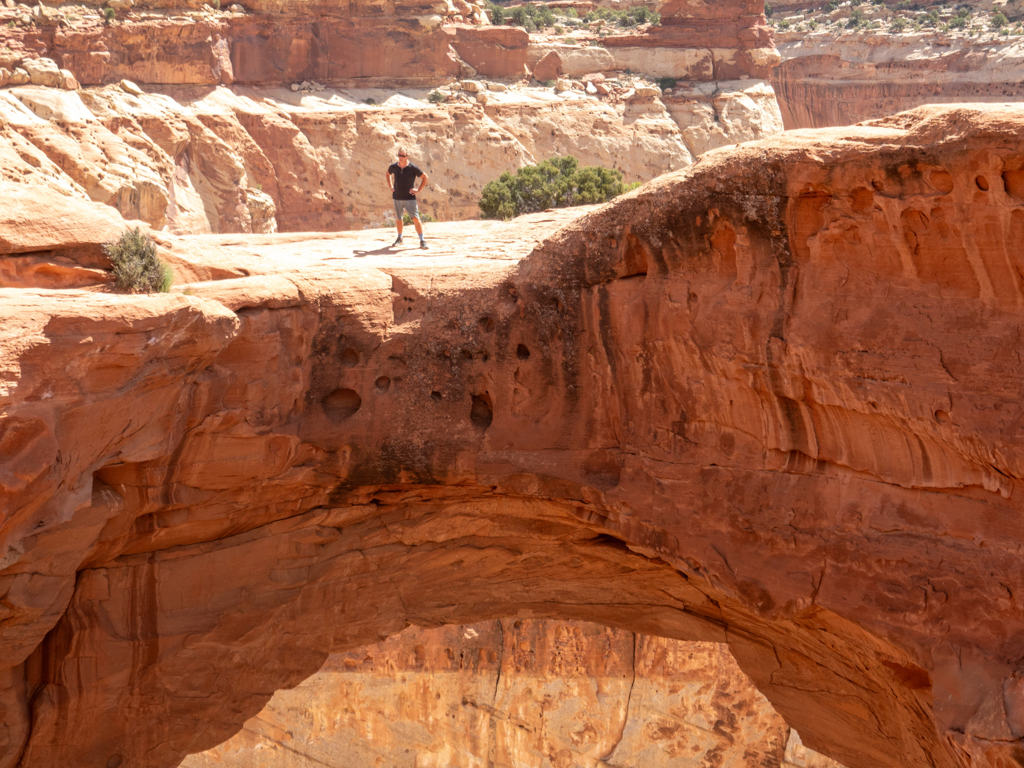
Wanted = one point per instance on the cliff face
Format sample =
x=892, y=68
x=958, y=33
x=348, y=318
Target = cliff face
x=267, y=43
x=262, y=160
x=837, y=70
x=357, y=41
x=831, y=82
x=770, y=401
x=259, y=119
x=731, y=40
x=519, y=693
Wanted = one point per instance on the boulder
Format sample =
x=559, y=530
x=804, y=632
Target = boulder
x=68, y=81
x=42, y=15
x=576, y=60
x=563, y=84
x=5, y=77
x=548, y=68
x=433, y=21
x=683, y=63
x=36, y=219
x=120, y=5
x=262, y=211
x=643, y=93
x=493, y=51
x=473, y=86
x=42, y=72
x=591, y=89
x=482, y=97
x=129, y=87
x=18, y=77
x=497, y=87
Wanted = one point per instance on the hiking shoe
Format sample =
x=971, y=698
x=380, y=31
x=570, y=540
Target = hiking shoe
x=398, y=241
x=423, y=243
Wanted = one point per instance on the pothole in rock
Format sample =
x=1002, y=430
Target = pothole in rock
x=342, y=403
x=481, y=413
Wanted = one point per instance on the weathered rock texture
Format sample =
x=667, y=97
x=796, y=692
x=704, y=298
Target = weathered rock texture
x=772, y=401
x=725, y=40
x=274, y=42
x=829, y=79
x=519, y=693
x=360, y=41
x=260, y=160
x=190, y=124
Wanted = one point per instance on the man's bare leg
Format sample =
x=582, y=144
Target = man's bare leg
x=419, y=230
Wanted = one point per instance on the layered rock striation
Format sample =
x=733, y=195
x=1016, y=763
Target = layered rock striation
x=839, y=70
x=770, y=401
x=519, y=693
x=277, y=116
x=827, y=80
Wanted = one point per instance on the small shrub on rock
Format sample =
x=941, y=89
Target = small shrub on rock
x=555, y=183
x=137, y=269
x=435, y=97
x=627, y=18
x=109, y=14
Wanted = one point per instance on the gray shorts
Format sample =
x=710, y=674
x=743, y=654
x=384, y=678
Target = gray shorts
x=406, y=206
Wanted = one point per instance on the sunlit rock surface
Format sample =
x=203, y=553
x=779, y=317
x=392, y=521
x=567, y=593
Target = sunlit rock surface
x=522, y=694
x=771, y=401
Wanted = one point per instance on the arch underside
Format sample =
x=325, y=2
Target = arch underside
x=735, y=406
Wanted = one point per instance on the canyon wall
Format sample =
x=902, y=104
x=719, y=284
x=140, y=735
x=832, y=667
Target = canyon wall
x=840, y=70
x=355, y=42
x=284, y=117
x=830, y=80
x=771, y=401
x=523, y=694
x=258, y=160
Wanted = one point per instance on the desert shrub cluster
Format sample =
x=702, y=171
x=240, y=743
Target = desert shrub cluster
x=556, y=183
x=137, y=268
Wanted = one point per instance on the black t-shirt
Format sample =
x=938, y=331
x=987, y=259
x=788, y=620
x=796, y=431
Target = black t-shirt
x=405, y=179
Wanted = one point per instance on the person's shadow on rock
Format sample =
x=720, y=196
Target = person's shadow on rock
x=386, y=249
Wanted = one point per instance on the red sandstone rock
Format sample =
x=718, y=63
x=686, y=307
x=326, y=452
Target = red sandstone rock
x=771, y=401
x=31, y=219
x=192, y=166
x=492, y=51
x=548, y=68
x=734, y=36
x=543, y=692
x=826, y=81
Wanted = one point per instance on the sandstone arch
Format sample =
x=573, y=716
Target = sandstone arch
x=742, y=419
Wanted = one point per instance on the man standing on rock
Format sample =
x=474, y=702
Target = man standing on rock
x=402, y=178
